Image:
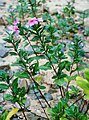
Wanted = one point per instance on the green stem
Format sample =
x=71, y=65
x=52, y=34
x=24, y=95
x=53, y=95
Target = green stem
x=30, y=74
x=23, y=112
x=77, y=100
x=18, y=103
x=32, y=8
x=40, y=103
x=61, y=90
x=22, y=10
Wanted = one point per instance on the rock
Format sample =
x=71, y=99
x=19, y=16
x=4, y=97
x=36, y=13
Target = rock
x=38, y=95
x=1, y=20
x=2, y=3
x=3, y=51
x=24, y=83
x=43, y=104
x=1, y=98
x=30, y=50
x=51, y=90
x=86, y=55
x=86, y=22
x=45, y=8
x=1, y=33
x=5, y=67
x=48, y=96
x=52, y=10
x=27, y=104
x=31, y=116
x=86, y=48
x=14, y=118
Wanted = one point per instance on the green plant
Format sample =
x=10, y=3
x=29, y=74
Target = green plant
x=46, y=36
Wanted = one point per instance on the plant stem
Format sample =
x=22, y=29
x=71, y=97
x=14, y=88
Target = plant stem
x=23, y=112
x=83, y=105
x=31, y=45
x=40, y=103
x=77, y=100
x=18, y=103
x=70, y=75
x=22, y=10
x=87, y=108
x=50, y=62
x=29, y=72
x=32, y=7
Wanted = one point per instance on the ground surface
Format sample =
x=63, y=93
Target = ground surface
x=5, y=59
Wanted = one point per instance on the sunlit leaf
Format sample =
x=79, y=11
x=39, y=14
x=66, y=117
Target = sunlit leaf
x=11, y=113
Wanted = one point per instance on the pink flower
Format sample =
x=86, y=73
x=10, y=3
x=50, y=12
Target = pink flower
x=14, y=29
x=16, y=22
x=34, y=21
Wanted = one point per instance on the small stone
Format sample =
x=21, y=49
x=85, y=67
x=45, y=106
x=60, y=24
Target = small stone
x=86, y=48
x=43, y=104
x=24, y=83
x=38, y=111
x=51, y=90
x=30, y=50
x=2, y=3
x=48, y=96
x=3, y=51
x=1, y=21
x=38, y=96
x=1, y=33
x=27, y=104
x=5, y=67
x=15, y=119
x=86, y=55
x=1, y=98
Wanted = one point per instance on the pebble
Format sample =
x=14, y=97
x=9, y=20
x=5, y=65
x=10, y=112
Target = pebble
x=2, y=3
x=86, y=55
x=27, y=104
x=1, y=33
x=1, y=98
x=38, y=95
x=15, y=119
x=86, y=48
x=48, y=96
x=3, y=51
x=30, y=50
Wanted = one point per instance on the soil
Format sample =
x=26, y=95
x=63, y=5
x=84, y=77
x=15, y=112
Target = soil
x=53, y=5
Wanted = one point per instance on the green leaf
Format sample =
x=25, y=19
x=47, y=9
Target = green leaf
x=84, y=117
x=63, y=118
x=4, y=115
x=39, y=78
x=11, y=113
x=86, y=97
x=4, y=86
x=7, y=40
x=42, y=87
x=8, y=97
x=49, y=110
x=12, y=53
x=46, y=66
x=22, y=74
x=15, y=86
x=22, y=91
x=83, y=83
x=86, y=74
x=59, y=82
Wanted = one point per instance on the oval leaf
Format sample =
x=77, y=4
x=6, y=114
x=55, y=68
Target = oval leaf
x=11, y=113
